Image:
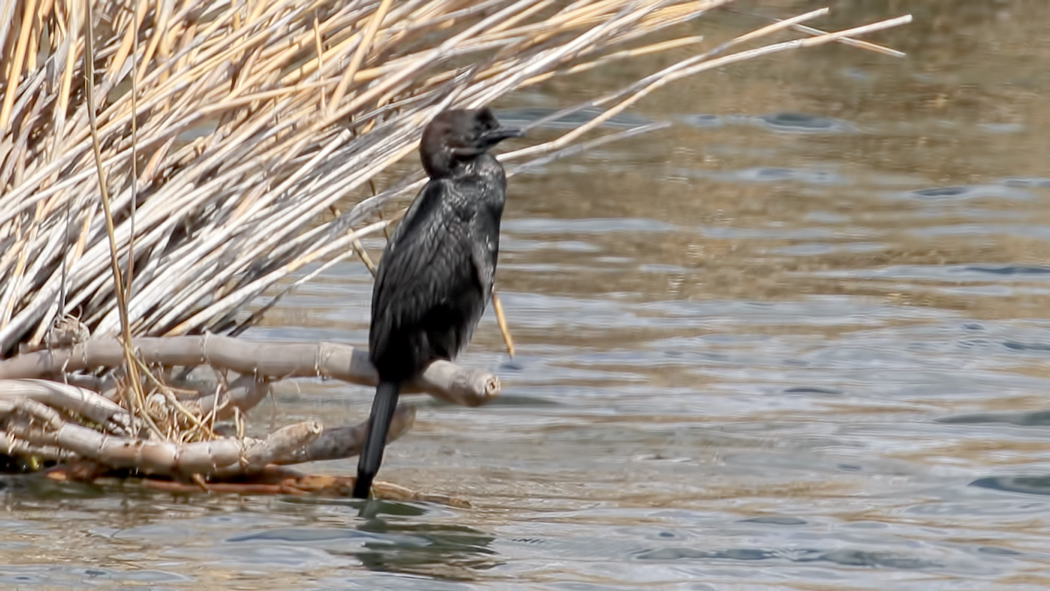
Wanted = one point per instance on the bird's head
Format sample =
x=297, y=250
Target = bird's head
x=459, y=135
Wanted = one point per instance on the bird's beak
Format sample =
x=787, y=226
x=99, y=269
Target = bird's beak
x=496, y=136
x=487, y=140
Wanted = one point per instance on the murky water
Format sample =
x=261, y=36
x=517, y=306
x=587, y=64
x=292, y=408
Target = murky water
x=801, y=340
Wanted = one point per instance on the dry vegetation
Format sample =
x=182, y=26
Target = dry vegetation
x=189, y=152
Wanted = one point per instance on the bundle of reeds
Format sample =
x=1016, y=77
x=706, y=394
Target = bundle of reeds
x=187, y=150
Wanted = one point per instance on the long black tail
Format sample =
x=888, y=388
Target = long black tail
x=383, y=406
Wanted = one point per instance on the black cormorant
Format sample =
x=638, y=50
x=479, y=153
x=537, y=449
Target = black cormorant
x=437, y=270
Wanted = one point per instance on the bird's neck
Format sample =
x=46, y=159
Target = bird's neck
x=477, y=187
x=479, y=167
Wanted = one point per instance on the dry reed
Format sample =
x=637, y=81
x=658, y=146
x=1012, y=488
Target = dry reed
x=251, y=120
x=223, y=131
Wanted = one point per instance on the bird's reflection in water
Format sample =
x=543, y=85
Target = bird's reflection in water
x=394, y=537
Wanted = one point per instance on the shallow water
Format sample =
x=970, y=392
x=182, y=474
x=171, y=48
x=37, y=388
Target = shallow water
x=800, y=340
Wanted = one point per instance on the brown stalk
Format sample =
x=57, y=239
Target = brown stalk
x=138, y=399
x=504, y=329
x=14, y=71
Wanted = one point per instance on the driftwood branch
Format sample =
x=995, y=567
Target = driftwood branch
x=160, y=457
x=61, y=421
x=73, y=399
x=346, y=442
x=33, y=413
x=444, y=380
x=10, y=445
x=280, y=444
x=241, y=395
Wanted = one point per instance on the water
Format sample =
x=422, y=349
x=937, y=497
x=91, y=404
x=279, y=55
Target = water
x=800, y=340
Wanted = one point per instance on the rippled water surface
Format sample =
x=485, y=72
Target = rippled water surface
x=800, y=340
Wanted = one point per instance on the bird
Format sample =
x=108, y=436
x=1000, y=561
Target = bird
x=436, y=272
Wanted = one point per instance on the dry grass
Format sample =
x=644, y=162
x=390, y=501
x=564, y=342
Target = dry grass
x=251, y=119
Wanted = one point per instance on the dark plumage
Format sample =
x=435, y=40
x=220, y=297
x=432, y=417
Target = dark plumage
x=437, y=270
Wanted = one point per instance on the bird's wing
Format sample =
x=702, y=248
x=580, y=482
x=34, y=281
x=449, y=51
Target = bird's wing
x=428, y=277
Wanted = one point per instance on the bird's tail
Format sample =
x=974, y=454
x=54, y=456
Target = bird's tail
x=378, y=424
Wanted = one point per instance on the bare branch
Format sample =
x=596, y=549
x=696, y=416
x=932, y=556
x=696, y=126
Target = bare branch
x=444, y=380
